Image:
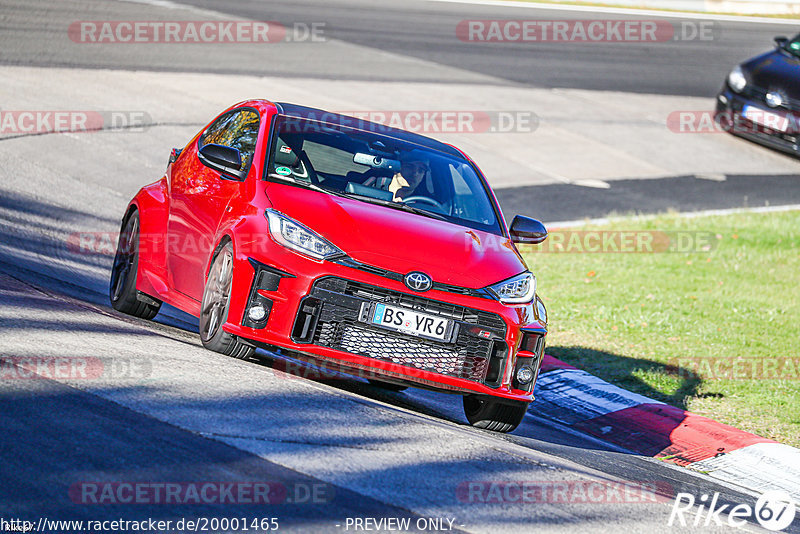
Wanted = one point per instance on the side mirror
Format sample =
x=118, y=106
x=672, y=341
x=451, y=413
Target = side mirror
x=525, y=230
x=781, y=41
x=174, y=155
x=221, y=158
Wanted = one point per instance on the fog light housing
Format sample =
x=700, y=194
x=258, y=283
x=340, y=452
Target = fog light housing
x=532, y=342
x=524, y=375
x=257, y=313
x=259, y=306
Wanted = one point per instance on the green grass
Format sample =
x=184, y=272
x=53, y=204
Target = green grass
x=650, y=8
x=627, y=317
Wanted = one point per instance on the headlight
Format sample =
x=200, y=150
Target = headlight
x=736, y=80
x=517, y=290
x=291, y=234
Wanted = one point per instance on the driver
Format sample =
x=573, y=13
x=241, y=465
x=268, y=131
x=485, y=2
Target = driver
x=414, y=165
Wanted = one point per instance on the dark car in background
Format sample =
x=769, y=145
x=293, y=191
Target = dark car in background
x=760, y=100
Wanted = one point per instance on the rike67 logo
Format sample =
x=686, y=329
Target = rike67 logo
x=774, y=510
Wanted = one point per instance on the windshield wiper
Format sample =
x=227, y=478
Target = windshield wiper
x=399, y=206
x=420, y=211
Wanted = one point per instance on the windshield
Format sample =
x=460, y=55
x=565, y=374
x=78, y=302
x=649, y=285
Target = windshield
x=379, y=169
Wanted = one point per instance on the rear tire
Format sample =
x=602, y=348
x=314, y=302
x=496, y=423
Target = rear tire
x=122, y=286
x=486, y=412
x=216, y=305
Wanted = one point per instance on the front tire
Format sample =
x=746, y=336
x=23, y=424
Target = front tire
x=122, y=286
x=216, y=306
x=500, y=416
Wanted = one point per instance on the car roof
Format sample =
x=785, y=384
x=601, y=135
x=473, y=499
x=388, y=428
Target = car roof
x=303, y=112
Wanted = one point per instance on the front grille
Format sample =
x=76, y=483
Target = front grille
x=759, y=93
x=411, y=353
x=487, y=320
x=329, y=317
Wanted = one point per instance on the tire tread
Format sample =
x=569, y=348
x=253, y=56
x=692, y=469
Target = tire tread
x=129, y=302
x=225, y=343
x=495, y=415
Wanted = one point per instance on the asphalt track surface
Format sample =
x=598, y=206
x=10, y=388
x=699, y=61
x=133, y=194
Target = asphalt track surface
x=198, y=416
x=425, y=30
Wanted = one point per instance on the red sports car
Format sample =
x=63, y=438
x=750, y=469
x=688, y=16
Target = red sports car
x=341, y=241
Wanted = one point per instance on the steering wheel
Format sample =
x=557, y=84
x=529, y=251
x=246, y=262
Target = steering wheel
x=426, y=200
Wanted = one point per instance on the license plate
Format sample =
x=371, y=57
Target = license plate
x=772, y=120
x=408, y=321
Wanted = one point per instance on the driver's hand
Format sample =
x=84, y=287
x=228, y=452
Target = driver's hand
x=399, y=187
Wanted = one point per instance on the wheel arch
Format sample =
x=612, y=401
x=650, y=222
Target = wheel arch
x=242, y=275
x=132, y=207
x=221, y=242
x=152, y=206
x=247, y=234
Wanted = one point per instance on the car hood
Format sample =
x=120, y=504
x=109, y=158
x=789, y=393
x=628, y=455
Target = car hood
x=775, y=70
x=400, y=241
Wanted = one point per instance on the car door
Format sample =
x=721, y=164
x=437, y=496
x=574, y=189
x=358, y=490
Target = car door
x=199, y=196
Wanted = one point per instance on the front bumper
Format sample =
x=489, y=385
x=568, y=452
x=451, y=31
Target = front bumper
x=730, y=114
x=320, y=316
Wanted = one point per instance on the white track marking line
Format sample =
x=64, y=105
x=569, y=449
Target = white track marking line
x=687, y=215
x=623, y=11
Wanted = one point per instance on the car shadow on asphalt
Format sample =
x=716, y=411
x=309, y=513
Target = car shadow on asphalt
x=627, y=371
x=617, y=399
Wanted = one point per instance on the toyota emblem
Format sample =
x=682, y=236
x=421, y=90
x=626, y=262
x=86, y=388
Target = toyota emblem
x=774, y=99
x=418, y=281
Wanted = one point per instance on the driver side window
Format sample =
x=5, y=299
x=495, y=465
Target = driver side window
x=237, y=129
